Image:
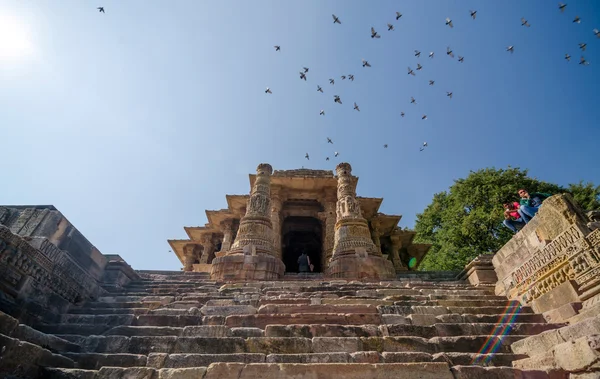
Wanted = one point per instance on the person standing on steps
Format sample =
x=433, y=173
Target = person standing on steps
x=530, y=203
x=304, y=262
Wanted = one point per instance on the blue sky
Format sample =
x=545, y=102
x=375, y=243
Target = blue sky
x=135, y=121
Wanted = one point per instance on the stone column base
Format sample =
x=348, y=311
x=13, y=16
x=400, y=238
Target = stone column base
x=358, y=266
x=247, y=267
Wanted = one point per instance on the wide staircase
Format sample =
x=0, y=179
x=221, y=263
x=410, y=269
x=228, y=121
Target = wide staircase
x=186, y=326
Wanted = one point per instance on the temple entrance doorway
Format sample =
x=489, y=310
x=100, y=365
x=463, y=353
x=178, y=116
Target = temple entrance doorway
x=301, y=233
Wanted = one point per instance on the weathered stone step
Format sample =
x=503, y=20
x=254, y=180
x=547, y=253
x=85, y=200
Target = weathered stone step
x=48, y=341
x=212, y=331
x=67, y=373
x=168, y=320
x=94, y=361
x=475, y=372
x=287, y=345
x=329, y=308
x=108, y=311
x=474, y=359
x=431, y=370
x=262, y=320
x=122, y=305
x=163, y=360
x=107, y=320
x=491, y=318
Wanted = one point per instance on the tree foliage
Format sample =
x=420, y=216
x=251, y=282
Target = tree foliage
x=466, y=220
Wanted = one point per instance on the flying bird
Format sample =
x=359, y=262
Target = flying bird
x=417, y=53
x=101, y=9
x=306, y=156
x=562, y=7
x=424, y=117
x=449, y=94
x=390, y=27
x=582, y=46
x=351, y=77
x=577, y=20
x=596, y=32
x=366, y=63
x=329, y=140
x=374, y=33
x=398, y=15
x=356, y=107
x=419, y=67
x=343, y=77
x=322, y=113
x=412, y=100
x=511, y=49
x=305, y=69
x=461, y=59
x=424, y=144
x=327, y=158
x=524, y=22
x=302, y=75
x=336, y=99
x=385, y=146
x=431, y=82
x=336, y=19
x=277, y=47
x=268, y=90
x=431, y=54
x=331, y=81
x=473, y=14
x=411, y=72
x=421, y=148
x=401, y=114
x=319, y=89
x=568, y=57
x=583, y=61
x=336, y=154
x=449, y=22
x=449, y=52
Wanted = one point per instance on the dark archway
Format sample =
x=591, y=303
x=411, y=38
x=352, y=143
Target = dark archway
x=301, y=233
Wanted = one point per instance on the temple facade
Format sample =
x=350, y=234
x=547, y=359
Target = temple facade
x=261, y=235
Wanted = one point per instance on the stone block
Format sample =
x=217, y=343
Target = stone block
x=406, y=357
x=336, y=344
x=309, y=358
x=94, y=361
x=564, y=293
x=127, y=373
x=205, y=345
x=419, y=319
x=181, y=373
x=395, y=319
x=228, y=310
x=7, y=324
x=578, y=355
x=278, y=345
x=562, y=313
x=247, y=332
x=207, y=331
x=365, y=357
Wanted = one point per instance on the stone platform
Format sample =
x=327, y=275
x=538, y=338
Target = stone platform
x=184, y=325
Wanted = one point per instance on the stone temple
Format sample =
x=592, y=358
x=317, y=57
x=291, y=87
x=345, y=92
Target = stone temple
x=261, y=235
x=239, y=309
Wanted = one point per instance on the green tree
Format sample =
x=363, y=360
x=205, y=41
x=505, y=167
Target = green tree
x=586, y=195
x=466, y=220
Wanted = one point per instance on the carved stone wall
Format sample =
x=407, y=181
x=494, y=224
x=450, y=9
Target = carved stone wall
x=553, y=260
x=39, y=279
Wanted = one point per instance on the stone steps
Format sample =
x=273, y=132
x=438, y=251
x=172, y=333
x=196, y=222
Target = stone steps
x=175, y=325
x=223, y=370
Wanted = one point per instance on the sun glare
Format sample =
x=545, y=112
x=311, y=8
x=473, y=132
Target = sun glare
x=14, y=38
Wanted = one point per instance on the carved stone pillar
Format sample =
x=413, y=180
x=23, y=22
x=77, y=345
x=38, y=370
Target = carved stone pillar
x=227, y=230
x=189, y=257
x=375, y=234
x=276, y=203
x=253, y=255
x=354, y=253
x=208, y=247
x=396, y=246
x=328, y=218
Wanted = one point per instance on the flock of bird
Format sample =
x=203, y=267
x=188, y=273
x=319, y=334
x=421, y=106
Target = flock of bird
x=449, y=52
